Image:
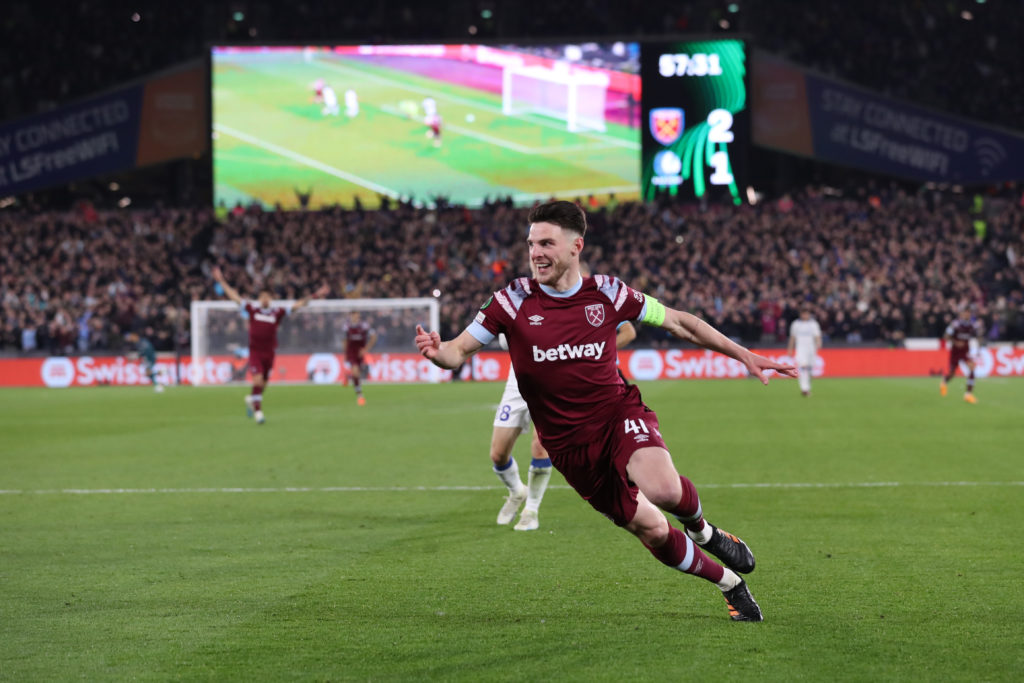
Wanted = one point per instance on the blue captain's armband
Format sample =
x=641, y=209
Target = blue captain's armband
x=654, y=311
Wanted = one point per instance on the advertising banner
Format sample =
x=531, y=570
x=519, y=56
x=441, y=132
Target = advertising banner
x=144, y=123
x=488, y=366
x=798, y=111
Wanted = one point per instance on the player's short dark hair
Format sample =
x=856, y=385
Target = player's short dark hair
x=566, y=215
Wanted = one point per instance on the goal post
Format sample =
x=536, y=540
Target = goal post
x=220, y=335
x=576, y=96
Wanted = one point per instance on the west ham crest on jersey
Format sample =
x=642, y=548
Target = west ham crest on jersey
x=595, y=314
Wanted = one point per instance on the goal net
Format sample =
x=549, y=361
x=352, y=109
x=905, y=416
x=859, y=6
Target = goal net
x=311, y=340
x=572, y=95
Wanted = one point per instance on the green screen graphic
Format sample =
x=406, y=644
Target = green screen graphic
x=308, y=127
x=696, y=122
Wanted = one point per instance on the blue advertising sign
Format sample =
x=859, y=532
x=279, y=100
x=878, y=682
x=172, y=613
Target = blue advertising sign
x=96, y=136
x=856, y=127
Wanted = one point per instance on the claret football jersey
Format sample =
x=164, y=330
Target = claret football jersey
x=562, y=346
x=263, y=323
x=963, y=331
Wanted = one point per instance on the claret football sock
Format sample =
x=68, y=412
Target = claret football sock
x=689, y=512
x=679, y=552
x=257, y=398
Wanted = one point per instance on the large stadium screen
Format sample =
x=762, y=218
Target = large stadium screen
x=308, y=127
x=696, y=119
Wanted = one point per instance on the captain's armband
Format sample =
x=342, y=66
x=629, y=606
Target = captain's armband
x=654, y=311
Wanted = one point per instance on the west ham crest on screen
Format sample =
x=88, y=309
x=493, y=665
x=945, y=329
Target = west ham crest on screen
x=595, y=314
x=666, y=124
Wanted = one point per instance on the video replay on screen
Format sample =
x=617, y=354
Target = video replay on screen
x=311, y=127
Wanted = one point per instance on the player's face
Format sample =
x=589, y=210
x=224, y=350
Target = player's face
x=554, y=255
x=265, y=299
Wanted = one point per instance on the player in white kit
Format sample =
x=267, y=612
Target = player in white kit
x=512, y=419
x=330, y=101
x=351, y=104
x=804, y=342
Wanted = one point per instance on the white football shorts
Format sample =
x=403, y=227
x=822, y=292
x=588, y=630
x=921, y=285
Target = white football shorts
x=806, y=360
x=512, y=411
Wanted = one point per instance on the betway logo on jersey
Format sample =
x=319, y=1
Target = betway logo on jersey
x=264, y=318
x=568, y=352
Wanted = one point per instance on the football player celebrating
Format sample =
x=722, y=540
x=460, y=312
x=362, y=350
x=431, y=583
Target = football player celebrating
x=596, y=429
x=264, y=320
x=958, y=336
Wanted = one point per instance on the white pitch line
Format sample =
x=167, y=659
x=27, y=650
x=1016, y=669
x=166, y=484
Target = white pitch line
x=508, y=144
x=523, y=149
x=514, y=146
x=467, y=102
x=409, y=489
x=303, y=159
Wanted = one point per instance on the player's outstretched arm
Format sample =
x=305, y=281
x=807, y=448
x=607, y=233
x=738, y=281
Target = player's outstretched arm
x=450, y=354
x=625, y=335
x=321, y=292
x=230, y=291
x=692, y=329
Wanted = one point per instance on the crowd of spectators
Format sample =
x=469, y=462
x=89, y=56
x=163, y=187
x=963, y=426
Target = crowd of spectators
x=960, y=56
x=875, y=266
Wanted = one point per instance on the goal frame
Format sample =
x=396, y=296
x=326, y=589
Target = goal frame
x=341, y=306
x=571, y=80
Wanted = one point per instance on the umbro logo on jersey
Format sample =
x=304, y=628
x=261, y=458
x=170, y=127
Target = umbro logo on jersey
x=568, y=352
x=536, y=319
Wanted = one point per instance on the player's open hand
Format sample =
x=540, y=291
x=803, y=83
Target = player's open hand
x=322, y=292
x=756, y=366
x=428, y=343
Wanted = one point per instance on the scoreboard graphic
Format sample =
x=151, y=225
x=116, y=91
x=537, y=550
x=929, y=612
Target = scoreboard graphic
x=696, y=119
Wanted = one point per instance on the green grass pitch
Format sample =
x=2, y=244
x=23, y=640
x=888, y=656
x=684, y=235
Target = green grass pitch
x=272, y=140
x=165, y=537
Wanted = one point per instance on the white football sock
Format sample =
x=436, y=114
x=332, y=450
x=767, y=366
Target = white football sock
x=538, y=484
x=804, y=378
x=510, y=477
x=701, y=537
x=729, y=580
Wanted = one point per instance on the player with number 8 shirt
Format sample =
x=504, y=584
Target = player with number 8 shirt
x=598, y=432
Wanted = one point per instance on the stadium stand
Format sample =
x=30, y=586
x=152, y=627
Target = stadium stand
x=877, y=267
x=76, y=280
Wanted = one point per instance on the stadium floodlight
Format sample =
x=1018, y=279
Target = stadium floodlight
x=576, y=96
x=219, y=331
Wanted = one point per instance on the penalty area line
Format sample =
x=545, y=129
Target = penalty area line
x=306, y=161
x=411, y=489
